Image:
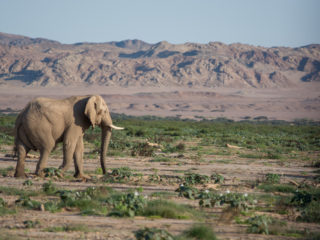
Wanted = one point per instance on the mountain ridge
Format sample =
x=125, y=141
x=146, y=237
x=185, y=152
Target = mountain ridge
x=43, y=62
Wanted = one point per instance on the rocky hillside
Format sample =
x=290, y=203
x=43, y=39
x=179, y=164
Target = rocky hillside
x=42, y=62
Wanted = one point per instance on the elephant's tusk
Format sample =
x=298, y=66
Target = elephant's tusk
x=115, y=127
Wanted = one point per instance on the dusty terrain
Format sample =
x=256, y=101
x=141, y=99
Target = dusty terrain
x=231, y=167
x=233, y=103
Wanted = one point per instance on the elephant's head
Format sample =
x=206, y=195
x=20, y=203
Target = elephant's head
x=97, y=112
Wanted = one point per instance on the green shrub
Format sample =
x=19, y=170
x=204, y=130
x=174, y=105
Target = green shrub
x=118, y=174
x=200, y=232
x=180, y=147
x=31, y=224
x=235, y=200
x=168, y=209
x=17, y=191
x=161, y=159
x=153, y=234
x=69, y=228
x=217, y=178
x=259, y=224
x=28, y=203
x=4, y=172
x=311, y=213
x=142, y=149
x=52, y=206
x=27, y=183
x=49, y=188
x=285, y=188
x=52, y=172
x=187, y=191
x=129, y=204
x=272, y=178
x=195, y=178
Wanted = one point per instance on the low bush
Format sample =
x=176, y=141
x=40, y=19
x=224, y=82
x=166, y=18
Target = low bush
x=127, y=205
x=195, y=178
x=4, y=209
x=187, y=191
x=118, y=175
x=49, y=188
x=199, y=232
x=153, y=234
x=168, y=209
x=272, y=178
x=217, y=178
x=234, y=200
x=259, y=224
x=28, y=203
x=4, y=172
x=52, y=172
x=285, y=188
x=142, y=149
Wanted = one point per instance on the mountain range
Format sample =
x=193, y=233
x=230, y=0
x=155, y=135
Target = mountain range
x=135, y=63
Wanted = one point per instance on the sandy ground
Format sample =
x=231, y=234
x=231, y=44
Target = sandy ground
x=282, y=104
x=232, y=168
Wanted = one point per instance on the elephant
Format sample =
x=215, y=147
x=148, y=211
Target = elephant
x=44, y=122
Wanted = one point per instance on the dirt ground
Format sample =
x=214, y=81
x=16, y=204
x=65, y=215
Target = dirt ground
x=238, y=173
x=301, y=102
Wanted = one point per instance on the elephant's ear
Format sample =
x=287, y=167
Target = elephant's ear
x=93, y=109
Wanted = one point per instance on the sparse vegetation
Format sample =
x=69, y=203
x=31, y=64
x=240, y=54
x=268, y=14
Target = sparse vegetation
x=199, y=231
x=174, y=154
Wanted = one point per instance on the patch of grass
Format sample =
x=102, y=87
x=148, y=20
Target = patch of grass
x=52, y=172
x=163, y=194
x=52, y=206
x=161, y=159
x=70, y=228
x=4, y=172
x=187, y=191
x=217, y=178
x=199, y=232
x=28, y=203
x=19, y=192
x=118, y=174
x=311, y=213
x=27, y=183
x=272, y=178
x=31, y=224
x=259, y=224
x=49, y=188
x=236, y=201
x=4, y=209
x=251, y=155
x=195, y=178
x=168, y=209
x=142, y=149
x=285, y=188
x=127, y=205
x=153, y=234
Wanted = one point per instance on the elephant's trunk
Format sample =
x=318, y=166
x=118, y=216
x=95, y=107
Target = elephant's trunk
x=105, y=139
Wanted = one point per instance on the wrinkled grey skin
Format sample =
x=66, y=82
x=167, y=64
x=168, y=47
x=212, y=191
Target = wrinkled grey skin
x=45, y=122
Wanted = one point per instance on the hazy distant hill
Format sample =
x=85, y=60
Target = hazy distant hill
x=37, y=61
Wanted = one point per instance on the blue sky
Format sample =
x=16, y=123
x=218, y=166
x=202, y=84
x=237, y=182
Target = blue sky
x=266, y=23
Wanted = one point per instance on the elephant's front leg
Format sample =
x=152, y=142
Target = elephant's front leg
x=78, y=159
x=69, y=145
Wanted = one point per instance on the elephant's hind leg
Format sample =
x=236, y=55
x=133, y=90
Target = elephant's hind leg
x=22, y=151
x=44, y=155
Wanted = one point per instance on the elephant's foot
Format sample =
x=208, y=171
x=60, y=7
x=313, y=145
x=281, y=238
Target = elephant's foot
x=40, y=173
x=20, y=174
x=82, y=176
